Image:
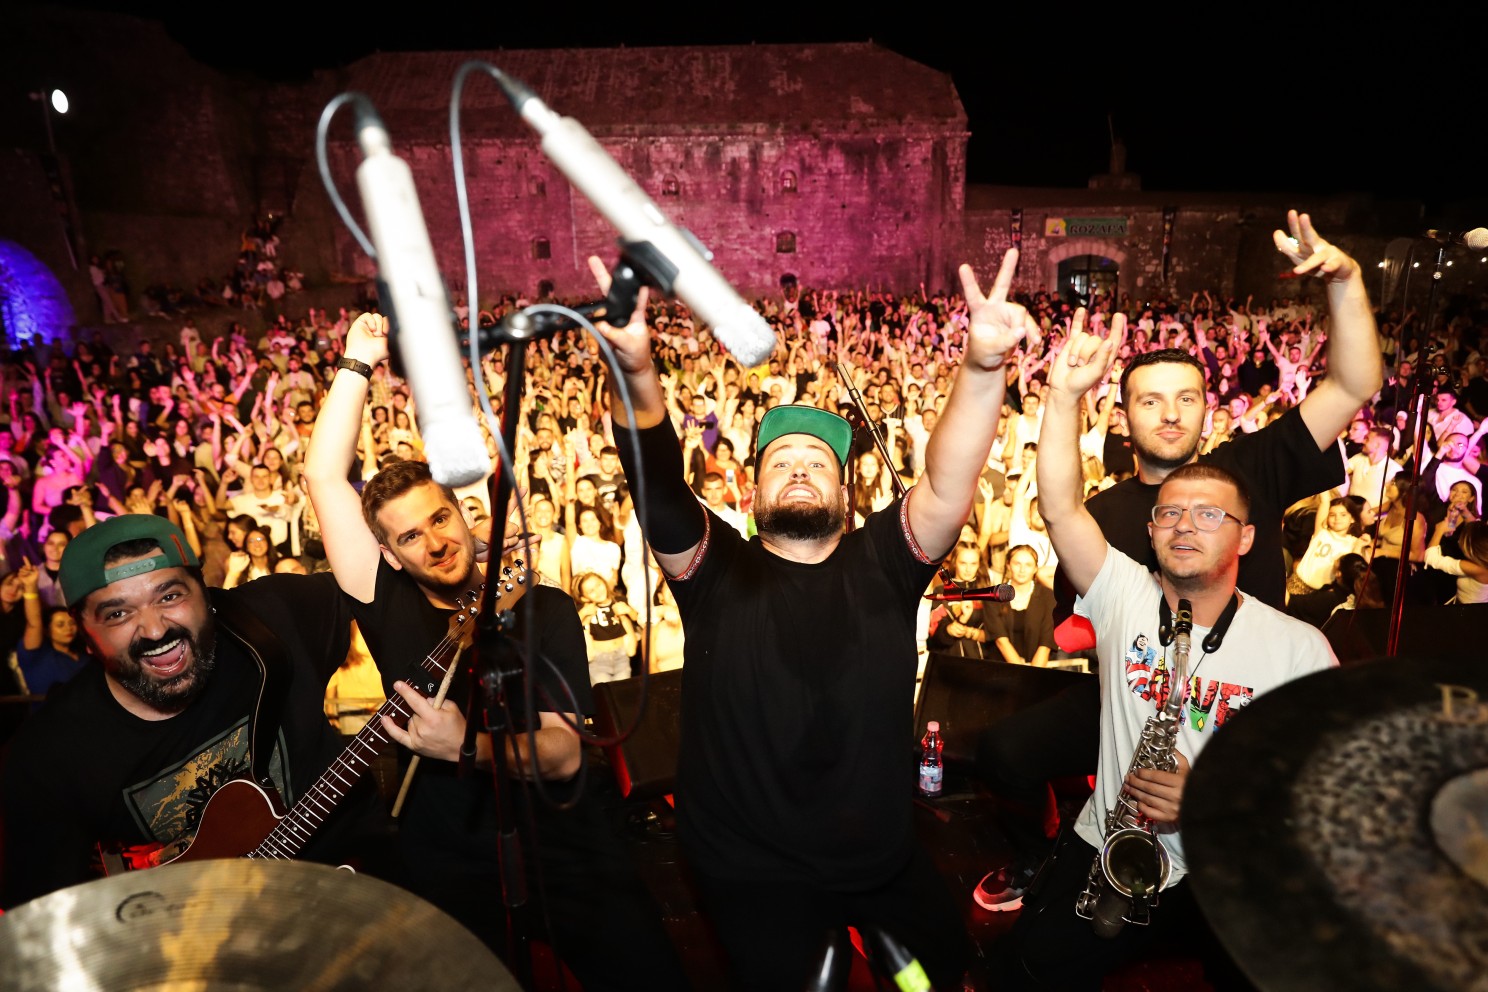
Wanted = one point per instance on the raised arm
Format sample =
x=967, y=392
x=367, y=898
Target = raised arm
x=351, y=547
x=35, y=634
x=661, y=454
x=941, y=503
x=1077, y=538
x=1355, y=369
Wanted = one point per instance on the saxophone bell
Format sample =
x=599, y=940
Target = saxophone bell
x=1132, y=866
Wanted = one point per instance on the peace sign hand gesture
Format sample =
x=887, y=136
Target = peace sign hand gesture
x=996, y=325
x=1309, y=253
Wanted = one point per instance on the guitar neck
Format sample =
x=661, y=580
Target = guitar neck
x=296, y=828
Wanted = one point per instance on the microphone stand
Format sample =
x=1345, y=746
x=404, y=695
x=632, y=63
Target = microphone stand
x=866, y=423
x=498, y=691
x=1424, y=384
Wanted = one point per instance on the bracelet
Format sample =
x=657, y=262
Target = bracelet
x=29, y=595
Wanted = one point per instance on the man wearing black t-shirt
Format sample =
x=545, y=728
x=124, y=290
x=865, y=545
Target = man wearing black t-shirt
x=794, y=774
x=404, y=556
x=129, y=752
x=1163, y=402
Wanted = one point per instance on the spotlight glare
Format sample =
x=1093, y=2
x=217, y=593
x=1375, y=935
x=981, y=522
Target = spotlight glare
x=59, y=101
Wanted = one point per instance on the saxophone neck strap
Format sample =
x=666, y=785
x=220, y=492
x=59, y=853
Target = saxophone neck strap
x=1216, y=634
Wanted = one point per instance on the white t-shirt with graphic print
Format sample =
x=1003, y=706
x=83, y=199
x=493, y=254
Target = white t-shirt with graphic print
x=1263, y=649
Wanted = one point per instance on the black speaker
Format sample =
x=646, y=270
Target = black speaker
x=1427, y=631
x=967, y=695
x=645, y=763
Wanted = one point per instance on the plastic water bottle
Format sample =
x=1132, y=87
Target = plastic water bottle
x=931, y=767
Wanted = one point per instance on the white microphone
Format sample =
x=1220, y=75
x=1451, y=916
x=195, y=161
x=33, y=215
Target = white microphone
x=426, y=338
x=736, y=324
x=1477, y=238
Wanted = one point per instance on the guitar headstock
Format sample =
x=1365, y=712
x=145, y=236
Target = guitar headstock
x=512, y=581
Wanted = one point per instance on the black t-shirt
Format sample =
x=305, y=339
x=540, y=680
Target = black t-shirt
x=84, y=770
x=401, y=626
x=1117, y=455
x=612, y=490
x=1281, y=464
x=1475, y=396
x=795, y=762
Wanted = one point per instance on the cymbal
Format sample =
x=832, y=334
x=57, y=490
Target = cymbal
x=1337, y=829
x=244, y=925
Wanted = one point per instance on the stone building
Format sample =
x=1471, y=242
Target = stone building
x=833, y=163
x=843, y=165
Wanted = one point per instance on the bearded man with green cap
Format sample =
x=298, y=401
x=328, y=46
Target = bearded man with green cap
x=187, y=688
x=794, y=793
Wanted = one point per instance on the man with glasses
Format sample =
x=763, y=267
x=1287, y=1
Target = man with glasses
x=1163, y=402
x=1199, y=529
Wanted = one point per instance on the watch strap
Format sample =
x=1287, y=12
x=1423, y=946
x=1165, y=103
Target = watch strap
x=360, y=368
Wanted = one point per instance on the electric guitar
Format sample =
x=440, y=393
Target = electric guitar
x=243, y=820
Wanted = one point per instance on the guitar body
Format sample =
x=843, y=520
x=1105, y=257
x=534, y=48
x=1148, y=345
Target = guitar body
x=242, y=817
x=235, y=821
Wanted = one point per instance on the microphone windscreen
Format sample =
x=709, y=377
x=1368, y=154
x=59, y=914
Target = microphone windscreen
x=456, y=451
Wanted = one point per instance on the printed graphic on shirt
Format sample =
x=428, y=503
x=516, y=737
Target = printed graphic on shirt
x=1210, y=701
x=168, y=807
x=1140, y=660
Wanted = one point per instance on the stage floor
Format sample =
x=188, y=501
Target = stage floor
x=958, y=830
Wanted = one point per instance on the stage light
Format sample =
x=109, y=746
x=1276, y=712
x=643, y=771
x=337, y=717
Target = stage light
x=59, y=101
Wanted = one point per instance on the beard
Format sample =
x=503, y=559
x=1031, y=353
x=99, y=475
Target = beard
x=1166, y=461
x=172, y=694
x=457, y=580
x=800, y=522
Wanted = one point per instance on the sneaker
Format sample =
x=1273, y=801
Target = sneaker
x=1001, y=891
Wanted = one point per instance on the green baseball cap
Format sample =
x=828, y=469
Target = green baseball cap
x=797, y=418
x=82, y=563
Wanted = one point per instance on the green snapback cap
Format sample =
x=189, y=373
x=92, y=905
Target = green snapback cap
x=82, y=563
x=797, y=418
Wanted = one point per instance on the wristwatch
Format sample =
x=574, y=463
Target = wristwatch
x=360, y=368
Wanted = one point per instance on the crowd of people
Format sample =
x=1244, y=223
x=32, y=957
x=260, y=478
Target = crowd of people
x=258, y=280
x=258, y=453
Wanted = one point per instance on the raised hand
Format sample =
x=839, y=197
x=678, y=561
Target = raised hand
x=1086, y=358
x=29, y=576
x=1309, y=253
x=632, y=342
x=367, y=339
x=996, y=325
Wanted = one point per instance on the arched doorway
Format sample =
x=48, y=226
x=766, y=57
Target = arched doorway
x=1082, y=277
x=34, y=307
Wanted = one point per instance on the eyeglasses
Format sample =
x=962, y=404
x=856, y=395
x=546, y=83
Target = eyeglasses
x=1205, y=518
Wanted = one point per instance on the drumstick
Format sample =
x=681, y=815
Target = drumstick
x=449, y=674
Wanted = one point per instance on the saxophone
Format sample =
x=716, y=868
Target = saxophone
x=1132, y=866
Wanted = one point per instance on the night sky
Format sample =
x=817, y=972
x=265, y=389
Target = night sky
x=1328, y=102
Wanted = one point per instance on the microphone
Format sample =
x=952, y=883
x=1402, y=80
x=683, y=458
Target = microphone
x=996, y=594
x=420, y=313
x=1476, y=239
x=687, y=267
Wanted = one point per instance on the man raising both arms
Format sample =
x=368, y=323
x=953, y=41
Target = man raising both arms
x=794, y=778
x=1162, y=402
x=1199, y=529
x=403, y=555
